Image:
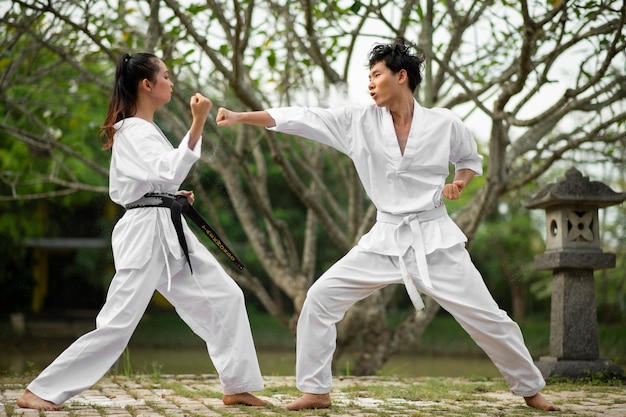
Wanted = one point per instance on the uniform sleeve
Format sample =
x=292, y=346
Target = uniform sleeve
x=147, y=157
x=327, y=126
x=464, y=152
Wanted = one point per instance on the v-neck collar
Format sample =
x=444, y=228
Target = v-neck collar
x=401, y=161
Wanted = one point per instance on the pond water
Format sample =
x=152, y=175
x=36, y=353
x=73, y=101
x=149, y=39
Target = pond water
x=192, y=360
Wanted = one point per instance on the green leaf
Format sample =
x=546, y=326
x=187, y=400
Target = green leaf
x=356, y=6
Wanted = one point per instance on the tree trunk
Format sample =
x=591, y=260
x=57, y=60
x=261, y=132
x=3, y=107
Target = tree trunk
x=518, y=300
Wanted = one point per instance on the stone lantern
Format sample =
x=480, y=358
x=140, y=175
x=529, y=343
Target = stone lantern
x=573, y=252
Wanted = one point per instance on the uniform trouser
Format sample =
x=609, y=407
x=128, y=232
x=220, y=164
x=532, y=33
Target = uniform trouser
x=458, y=288
x=209, y=301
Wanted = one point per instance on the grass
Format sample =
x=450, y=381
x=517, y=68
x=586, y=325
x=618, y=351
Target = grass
x=188, y=393
x=437, y=389
x=9, y=409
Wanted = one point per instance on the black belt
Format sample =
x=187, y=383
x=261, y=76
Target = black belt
x=179, y=205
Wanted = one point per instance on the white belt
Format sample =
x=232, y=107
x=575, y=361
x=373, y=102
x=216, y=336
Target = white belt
x=408, y=236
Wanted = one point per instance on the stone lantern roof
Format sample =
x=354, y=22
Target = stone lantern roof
x=572, y=227
x=575, y=189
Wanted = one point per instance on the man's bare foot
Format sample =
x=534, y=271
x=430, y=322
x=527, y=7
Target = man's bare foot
x=243, y=398
x=30, y=400
x=307, y=401
x=537, y=401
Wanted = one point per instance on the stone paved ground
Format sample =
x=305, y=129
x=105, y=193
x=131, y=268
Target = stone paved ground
x=200, y=395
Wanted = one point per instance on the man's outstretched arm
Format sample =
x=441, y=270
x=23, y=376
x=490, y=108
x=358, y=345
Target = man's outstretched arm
x=227, y=118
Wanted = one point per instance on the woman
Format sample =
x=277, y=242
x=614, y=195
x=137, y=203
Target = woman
x=147, y=252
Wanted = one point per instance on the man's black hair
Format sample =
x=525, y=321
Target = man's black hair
x=397, y=56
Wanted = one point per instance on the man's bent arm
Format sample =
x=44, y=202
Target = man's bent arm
x=465, y=175
x=461, y=178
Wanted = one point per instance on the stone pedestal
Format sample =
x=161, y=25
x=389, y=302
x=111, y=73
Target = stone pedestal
x=573, y=322
x=575, y=369
x=574, y=349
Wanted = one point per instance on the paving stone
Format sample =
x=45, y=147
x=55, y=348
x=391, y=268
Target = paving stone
x=142, y=396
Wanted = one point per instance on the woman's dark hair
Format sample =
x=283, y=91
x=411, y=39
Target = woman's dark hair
x=397, y=56
x=130, y=70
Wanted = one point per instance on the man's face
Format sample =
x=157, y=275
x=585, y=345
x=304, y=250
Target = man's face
x=383, y=84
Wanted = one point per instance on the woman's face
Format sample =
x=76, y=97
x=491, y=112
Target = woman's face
x=163, y=86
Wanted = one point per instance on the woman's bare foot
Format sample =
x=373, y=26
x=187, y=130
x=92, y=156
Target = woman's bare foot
x=30, y=400
x=537, y=401
x=307, y=401
x=243, y=398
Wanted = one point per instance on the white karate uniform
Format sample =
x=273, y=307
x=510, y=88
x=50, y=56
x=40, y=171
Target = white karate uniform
x=148, y=257
x=413, y=241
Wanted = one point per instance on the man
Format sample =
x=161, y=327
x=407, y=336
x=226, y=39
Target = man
x=401, y=152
